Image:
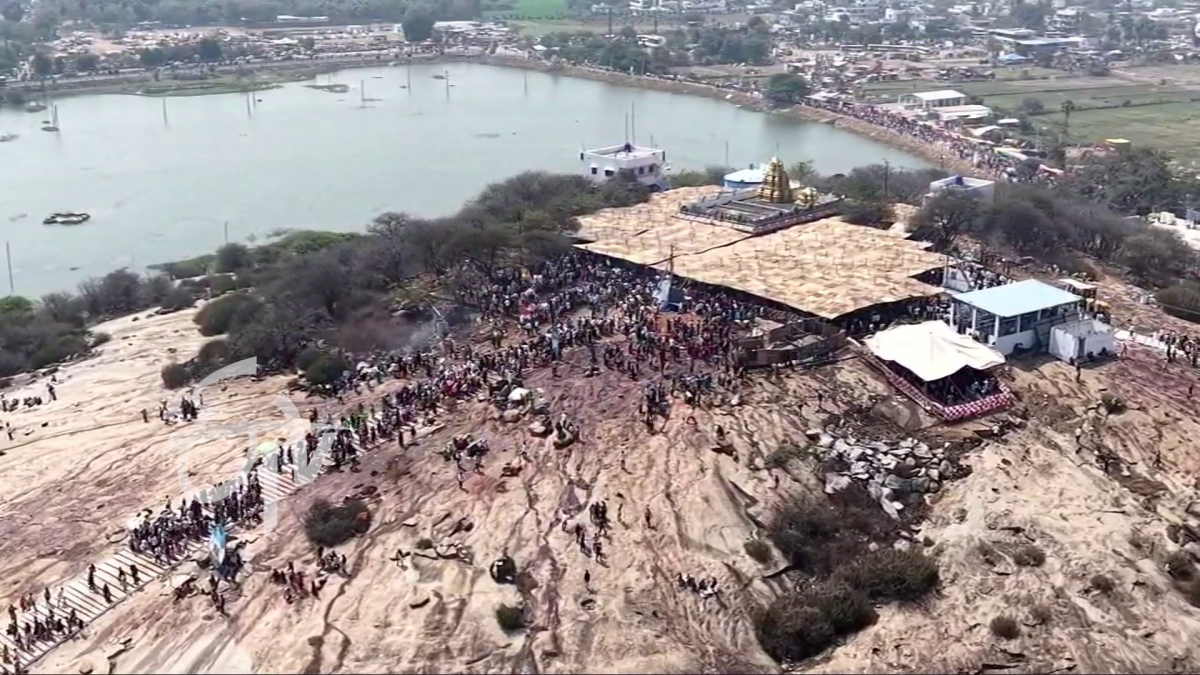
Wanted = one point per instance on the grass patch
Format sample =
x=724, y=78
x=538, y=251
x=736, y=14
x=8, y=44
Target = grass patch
x=780, y=457
x=1040, y=614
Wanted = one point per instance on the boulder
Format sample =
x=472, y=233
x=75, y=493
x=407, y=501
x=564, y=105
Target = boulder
x=836, y=483
x=1192, y=549
x=813, y=434
x=420, y=602
x=922, y=484
x=539, y=429
x=1193, y=509
x=511, y=415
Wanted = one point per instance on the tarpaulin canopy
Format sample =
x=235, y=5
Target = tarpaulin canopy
x=932, y=350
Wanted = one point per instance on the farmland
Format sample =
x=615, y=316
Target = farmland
x=1153, y=110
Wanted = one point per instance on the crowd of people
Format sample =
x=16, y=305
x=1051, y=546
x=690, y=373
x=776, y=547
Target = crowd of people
x=947, y=142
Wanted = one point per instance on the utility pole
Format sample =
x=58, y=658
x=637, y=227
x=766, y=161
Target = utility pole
x=609, y=29
x=887, y=170
x=227, y=232
x=12, y=289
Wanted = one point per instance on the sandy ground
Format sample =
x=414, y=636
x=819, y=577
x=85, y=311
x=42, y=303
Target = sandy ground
x=676, y=506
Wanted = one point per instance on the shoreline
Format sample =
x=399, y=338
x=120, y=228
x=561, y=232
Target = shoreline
x=312, y=69
x=799, y=112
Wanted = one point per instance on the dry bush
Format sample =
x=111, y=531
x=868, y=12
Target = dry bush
x=820, y=538
x=1040, y=614
x=889, y=574
x=1102, y=583
x=1181, y=566
x=175, y=375
x=846, y=609
x=1005, y=628
x=782, y=455
x=424, y=544
x=510, y=618
x=759, y=550
x=327, y=525
x=1191, y=591
x=1029, y=555
x=789, y=631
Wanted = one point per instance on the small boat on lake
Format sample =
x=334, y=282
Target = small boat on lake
x=67, y=218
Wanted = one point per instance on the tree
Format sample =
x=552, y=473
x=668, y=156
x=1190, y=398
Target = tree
x=417, y=24
x=946, y=215
x=308, y=43
x=86, y=63
x=43, y=66
x=152, y=58
x=326, y=369
x=1031, y=106
x=15, y=304
x=787, y=88
x=627, y=32
x=1068, y=107
x=13, y=11
x=1157, y=255
x=233, y=257
x=209, y=50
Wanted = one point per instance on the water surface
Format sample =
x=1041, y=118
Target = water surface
x=163, y=189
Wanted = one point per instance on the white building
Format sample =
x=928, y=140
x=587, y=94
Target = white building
x=933, y=99
x=1014, y=316
x=648, y=164
x=984, y=190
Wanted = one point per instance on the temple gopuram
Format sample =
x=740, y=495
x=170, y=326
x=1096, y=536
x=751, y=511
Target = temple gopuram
x=775, y=204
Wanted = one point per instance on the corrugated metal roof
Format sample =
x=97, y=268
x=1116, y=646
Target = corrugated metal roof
x=1016, y=299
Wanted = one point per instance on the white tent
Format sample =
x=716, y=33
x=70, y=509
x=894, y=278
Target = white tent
x=932, y=350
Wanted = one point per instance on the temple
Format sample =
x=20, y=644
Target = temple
x=773, y=205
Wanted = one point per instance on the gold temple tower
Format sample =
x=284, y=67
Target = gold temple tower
x=776, y=186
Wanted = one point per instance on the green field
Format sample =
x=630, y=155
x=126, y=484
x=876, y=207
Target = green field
x=531, y=9
x=1155, y=115
x=1170, y=126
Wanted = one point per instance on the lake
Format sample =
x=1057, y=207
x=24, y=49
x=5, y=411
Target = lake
x=162, y=188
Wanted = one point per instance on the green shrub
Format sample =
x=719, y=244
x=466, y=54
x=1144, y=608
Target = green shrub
x=789, y=631
x=60, y=349
x=801, y=529
x=175, y=375
x=100, y=338
x=222, y=284
x=307, y=356
x=224, y=313
x=510, y=618
x=326, y=369
x=327, y=525
x=1005, y=628
x=1181, y=300
x=1029, y=556
x=178, y=298
x=214, y=351
x=890, y=574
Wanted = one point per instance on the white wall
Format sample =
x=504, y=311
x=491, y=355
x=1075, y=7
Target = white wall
x=1007, y=343
x=1064, y=345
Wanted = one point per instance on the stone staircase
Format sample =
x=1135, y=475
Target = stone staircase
x=90, y=605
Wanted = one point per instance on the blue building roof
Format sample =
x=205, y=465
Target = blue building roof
x=1016, y=299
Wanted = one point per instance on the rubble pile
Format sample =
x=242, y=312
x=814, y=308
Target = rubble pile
x=893, y=473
